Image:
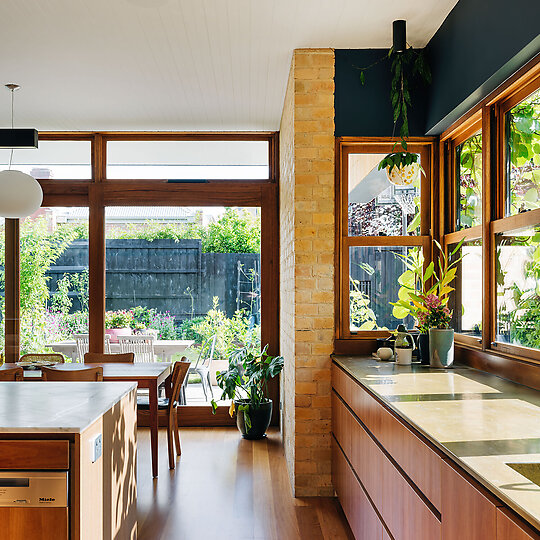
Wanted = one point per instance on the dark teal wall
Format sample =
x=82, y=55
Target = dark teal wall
x=365, y=110
x=478, y=46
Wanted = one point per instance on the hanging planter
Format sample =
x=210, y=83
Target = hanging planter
x=402, y=168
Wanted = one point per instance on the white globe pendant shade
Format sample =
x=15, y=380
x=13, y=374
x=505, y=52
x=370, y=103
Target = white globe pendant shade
x=20, y=194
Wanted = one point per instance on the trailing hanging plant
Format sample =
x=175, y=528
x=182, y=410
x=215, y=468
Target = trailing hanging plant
x=404, y=65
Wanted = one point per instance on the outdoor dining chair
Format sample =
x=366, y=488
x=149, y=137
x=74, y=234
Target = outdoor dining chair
x=46, y=357
x=202, y=367
x=169, y=407
x=102, y=358
x=82, y=342
x=142, y=345
x=84, y=374
x=11, y=374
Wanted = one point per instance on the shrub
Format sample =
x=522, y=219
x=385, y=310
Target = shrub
x=118, y=319
x=187, y=330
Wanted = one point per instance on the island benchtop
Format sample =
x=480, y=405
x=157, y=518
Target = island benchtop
x=57, y=407
x=478, y=420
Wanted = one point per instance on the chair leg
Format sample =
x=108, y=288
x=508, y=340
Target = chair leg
x=170, y=444
x=176, y=434
x=203, y=381
x=210, y=385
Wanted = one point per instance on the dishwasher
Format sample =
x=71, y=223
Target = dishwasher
x=34, y=505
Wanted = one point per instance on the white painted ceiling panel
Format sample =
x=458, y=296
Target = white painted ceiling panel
x=179, y=64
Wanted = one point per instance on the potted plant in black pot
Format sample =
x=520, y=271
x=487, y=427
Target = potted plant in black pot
x=245, y=381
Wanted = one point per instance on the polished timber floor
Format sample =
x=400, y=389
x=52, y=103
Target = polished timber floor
x=226, y=488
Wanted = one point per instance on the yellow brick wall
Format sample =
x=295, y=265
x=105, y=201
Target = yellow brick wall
x=307, y=271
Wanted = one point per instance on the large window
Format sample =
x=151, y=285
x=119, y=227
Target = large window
x=463, y=221
x=54, y=280
x=382, y=226
x=184, y=275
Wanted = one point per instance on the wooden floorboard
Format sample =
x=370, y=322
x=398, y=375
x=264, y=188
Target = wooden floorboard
x=227, y=488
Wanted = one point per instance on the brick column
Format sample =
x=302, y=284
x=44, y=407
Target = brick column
x=307, y=268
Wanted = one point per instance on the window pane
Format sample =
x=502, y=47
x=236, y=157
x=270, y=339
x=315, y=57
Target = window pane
x=469, y=182
x=466, y=300
x=374, y=272
x=518, y=287
x=377, y=207
x=183, y=273
x=188, y=160
x=61, y=160
x=54, y=280
x=523, y=156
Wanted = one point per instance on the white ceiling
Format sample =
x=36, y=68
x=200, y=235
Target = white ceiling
x=178, y=64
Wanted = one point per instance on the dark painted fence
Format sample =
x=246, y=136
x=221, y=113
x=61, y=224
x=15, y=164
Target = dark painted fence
x=382, y=285
x=162, y=274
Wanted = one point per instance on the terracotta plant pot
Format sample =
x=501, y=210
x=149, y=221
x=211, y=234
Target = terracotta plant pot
x=115, y=332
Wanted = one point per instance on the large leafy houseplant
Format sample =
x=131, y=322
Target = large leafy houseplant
x=245, y=382
x=416, y=297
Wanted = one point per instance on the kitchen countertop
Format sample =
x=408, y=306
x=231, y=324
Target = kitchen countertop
x=56, y=407
x=479, y=420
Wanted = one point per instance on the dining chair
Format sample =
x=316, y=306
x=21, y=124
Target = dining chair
x=202, y=367
x=11, y=374
x=83, y=374
x=38, y=357
x=102, y=358
x=169, y=407
x=142, y=345
x=82, y=342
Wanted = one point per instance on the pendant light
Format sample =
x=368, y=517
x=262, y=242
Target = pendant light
x=20, y=194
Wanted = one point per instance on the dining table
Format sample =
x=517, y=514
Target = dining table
x=148, y=375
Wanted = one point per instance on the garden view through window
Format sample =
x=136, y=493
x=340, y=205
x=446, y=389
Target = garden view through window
x=376, y=206
x=523, y=156
x=469, y=182
x=181, y=275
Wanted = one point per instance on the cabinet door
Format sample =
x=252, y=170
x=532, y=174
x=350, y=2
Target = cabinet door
x=467, y=513
x=360, y=514
x=34, y=524
x=508, y=528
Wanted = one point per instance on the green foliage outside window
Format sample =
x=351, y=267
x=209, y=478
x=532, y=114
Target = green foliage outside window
x=523, y=168
x=469, y=154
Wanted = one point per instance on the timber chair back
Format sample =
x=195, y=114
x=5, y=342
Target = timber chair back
x=11, y=374
x=104, y=358
x=47, y=357
x=83, y=374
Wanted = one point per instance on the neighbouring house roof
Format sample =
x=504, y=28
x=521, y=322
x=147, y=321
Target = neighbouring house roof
x=134, y=214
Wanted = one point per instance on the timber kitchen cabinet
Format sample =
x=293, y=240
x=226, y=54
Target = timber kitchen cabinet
x=394, y=483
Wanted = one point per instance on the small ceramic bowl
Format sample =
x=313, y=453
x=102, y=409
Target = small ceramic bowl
x=385, y=353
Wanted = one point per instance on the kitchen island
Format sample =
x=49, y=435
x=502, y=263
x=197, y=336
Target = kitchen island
x=435, y=453
x=84, y=429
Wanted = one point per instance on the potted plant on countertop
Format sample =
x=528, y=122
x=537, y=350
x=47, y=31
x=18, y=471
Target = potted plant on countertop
x=245, y=382
x=429, y=305
x=118, y=323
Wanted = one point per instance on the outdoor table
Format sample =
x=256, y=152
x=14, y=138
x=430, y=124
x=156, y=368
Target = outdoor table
x=163, y=348
x=147, y=375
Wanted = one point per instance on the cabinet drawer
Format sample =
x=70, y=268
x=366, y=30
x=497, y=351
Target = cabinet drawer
x=510, y=528
x=34, y=454
x=405, y=513
x=467, y=512
x=360, y=514
x=415, y=457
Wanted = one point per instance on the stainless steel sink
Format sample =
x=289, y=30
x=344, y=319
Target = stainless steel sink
x=531, y=471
